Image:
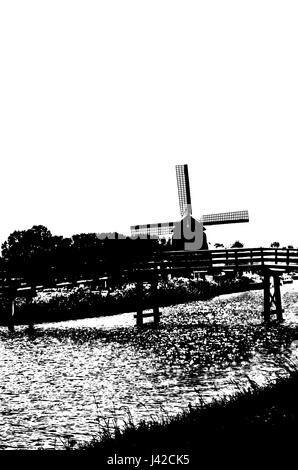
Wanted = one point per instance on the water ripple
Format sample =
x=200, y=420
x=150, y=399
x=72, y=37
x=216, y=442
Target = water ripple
x=56, y=382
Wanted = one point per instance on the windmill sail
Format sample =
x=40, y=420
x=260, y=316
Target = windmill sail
x=226, y=218
x=183, y=190
x=152, y=230
x=168, y=228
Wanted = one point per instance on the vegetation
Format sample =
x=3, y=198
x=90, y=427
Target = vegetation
x=237, y=244
x=37, y=255
x=42, y=258
x=250, y=421
x=79, y=302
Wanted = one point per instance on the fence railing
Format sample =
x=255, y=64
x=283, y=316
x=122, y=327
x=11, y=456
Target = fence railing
x=185, y=262
x=220, y=260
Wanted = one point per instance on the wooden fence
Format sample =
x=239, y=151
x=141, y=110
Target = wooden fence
x=212, y=261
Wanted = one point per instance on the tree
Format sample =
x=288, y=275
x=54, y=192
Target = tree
x=219, y=245
x=27, y=252
x=237, y=244
x=275, y=245
x=38, y=256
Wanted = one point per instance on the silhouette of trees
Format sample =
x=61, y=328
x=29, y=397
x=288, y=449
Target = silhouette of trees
x=219, y=245
x=237, y=244
x=39, y=256
x=28, y=251
x=275, y=245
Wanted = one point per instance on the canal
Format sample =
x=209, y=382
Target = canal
x=65, y=380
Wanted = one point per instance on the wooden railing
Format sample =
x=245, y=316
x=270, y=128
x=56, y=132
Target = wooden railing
x=233, y=259
x=269, y=260
x=185, y=262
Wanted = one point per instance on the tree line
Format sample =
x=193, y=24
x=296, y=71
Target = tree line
x=36, y=254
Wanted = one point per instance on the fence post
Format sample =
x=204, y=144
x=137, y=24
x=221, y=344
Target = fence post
x=30, y=315
x=154, y=290
x=139, y=302
x=277, y=298
x=267, y=294
x=11, y=294
x=262, y=257
x=11, y=315
x=272, y=300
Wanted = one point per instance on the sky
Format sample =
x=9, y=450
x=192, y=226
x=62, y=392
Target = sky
x=99, y=100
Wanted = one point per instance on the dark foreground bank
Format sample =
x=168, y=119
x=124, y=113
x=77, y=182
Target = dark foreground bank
x=261, y=421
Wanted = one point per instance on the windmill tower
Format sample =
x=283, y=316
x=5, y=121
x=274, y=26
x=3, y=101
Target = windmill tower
x=187, y=221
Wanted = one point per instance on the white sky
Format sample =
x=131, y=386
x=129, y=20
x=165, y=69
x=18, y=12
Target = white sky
x=100, y=99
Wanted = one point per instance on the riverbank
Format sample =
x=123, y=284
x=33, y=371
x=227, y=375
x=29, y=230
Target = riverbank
x=81, y=302
x=58, y=380
x=251, y=421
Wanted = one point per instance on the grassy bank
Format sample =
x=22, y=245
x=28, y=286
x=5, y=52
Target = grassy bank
x=260, y=418
x=80, y=302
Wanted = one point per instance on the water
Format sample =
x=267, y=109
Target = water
x=62, y=381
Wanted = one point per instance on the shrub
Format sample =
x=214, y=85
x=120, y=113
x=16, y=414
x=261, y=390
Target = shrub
x=78, y=302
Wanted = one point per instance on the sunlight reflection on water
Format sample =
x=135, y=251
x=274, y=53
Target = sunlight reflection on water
x=60, y=380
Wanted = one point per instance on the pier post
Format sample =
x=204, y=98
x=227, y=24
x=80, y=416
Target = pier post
x=267, y=294
x=277, y=299
x=139, y=315
x=272, y=300
x=11, y=315
x=154, y=290
x=29, y=298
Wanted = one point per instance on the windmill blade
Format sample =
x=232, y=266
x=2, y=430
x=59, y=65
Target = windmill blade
x=183, y=190
x=152, y=230
x=226, y=218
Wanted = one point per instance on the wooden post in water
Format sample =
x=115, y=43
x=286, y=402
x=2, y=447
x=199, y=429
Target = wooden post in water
x=154, y=290
x=277, y=296
x=272, y=299
x=11, y=315
x=139, y=315
x=267, y=294
x=28, y=300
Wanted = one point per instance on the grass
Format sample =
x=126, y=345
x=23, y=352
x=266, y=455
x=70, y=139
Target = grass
x=81, y=302
x=259, y=418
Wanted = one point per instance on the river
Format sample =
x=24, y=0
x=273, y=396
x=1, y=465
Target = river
x=65, y=380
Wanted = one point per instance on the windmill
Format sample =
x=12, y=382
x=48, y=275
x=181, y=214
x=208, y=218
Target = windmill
x=170, y=228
